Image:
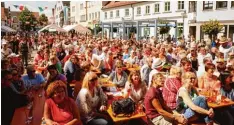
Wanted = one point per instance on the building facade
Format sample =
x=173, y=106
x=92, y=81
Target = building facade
x=223, y=11
x=89, y=13
x=62, y=13
x=189, y=15
x=74, y=10
x=115, y=11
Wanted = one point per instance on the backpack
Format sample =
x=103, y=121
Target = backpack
x=124, y=106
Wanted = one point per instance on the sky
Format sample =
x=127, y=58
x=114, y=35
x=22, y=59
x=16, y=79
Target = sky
x=32, y=6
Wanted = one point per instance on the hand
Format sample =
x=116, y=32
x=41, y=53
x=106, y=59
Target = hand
x=211, y=113
x=102, y=108
x=54, y=123
x=180, y=119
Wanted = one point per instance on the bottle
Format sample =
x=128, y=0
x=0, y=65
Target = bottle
x=218, y=98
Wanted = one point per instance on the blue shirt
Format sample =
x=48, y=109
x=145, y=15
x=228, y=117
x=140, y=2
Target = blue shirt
x=39, y=79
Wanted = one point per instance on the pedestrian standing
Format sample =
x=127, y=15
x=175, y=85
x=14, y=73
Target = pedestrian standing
x=24, y=51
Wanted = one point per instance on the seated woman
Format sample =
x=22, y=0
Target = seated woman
x=209, y=81
x=192, y=106
x=55, y=61
x=171, y=87
x=59, y=109
x=134, y=87
x=118, y=77
x=91, y=101
x=155, y=108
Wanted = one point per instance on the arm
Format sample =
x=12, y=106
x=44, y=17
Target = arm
x=200, y=83
x=76, y=115
x=188, y=101
x=47, y=115
x=160, y=110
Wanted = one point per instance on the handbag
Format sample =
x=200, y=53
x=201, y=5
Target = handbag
x=124, y=106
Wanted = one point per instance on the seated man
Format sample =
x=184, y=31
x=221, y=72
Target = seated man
x=32, y=79
x=155, y=107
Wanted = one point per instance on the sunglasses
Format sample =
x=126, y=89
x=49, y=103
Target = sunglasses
x=192, y=78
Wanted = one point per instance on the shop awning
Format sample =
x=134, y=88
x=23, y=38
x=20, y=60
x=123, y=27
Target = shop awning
x=52, y=28
x=7, y=29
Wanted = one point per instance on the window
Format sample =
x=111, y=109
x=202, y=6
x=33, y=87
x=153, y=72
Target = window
x=207, y=5
x=126, y=12
x=232, y=4
x=99, y=14
x=117, y=13
x=81, y=6
x=105, y=15
x=180, y=29
x=90, y=16
x=73, y=9
x=147, y=9
x=192, y=6
x=111, y=14
x=167, y=6
x=95, y=15
x=221, y=4
x=180, y=5
x=156, y=7
x=138, y=10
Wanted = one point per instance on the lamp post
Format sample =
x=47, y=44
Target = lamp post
x=183, y=15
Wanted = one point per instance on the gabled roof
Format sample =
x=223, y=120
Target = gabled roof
x=113, y=4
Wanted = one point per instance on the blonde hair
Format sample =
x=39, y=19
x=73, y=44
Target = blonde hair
x=55, y=85
x=175, y=70
x=88, y=76
x=187, y=75
x=155, y=76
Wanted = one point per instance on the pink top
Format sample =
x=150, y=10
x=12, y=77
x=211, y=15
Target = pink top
x=61, y=115
x=209, y=83
x=38, y=59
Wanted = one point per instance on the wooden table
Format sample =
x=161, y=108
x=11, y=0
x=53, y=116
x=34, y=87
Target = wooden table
x=105, y=83
x=120, y=118
x=223, y=103
x=211, y=99
x=20, y=115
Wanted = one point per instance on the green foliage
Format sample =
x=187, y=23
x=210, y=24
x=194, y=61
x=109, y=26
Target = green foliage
x=164, y=29
x=27, y=19
x=43, y=20
x=212, y=27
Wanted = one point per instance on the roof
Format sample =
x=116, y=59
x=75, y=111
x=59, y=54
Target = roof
x=113, y=4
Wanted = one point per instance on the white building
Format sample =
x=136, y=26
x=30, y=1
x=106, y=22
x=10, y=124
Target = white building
x=89, y=13
x=62, y=13
x=74, y=10
x=189, y=15
x=138, y=11
x=223, y=11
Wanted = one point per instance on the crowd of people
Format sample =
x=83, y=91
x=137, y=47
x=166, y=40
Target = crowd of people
x=167, y=85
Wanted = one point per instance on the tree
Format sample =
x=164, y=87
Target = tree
x=43, y=20
x=212, y=28
x=27, y=20
x=164, y=29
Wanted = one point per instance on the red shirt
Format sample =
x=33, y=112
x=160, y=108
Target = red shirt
x=170, y=89
x=61, y=115
x=152, y=93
